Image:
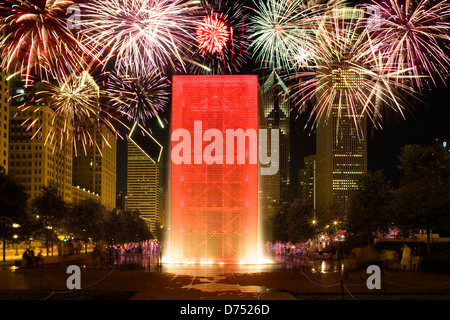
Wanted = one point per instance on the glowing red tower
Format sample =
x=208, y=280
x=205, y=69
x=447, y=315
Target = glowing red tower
x=214, y=205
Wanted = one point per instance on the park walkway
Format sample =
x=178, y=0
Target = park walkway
x=230, y=282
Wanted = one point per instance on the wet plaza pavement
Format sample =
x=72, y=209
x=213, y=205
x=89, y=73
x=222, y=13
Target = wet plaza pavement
x=287, y=278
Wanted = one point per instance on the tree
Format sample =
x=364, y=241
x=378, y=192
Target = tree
x=126, y=226
x=423, y=200
x=87, y=220
x=369, y=210
x=293, y=222
x=52, y=211
x=13, y=203
x=331, y=217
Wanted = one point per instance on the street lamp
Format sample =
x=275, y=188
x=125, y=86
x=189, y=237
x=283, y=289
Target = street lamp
x=15, y=226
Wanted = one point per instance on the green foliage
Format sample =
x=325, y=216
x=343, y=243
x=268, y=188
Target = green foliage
x=87, y=220
x=423, y=201
x=293, y=222
x=13, y=203
x=370, y=208
x=126, y=226
x=50, y=207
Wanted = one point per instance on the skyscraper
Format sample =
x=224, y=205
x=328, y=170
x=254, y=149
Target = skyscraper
x=39, y=161
x=95, y=170
x=307, y=182
x=341, y=144
x=145, y=189
x=4, y=120
x=275, y=189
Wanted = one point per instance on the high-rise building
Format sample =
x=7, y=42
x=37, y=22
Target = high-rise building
x=4, y=120
x=307, y=182
x=37, y=157
x=341, y=144
x=341, y=159
x=95, y=170
x=145, y=189
x=34, y=160
x=274, y=190
x=121, y=200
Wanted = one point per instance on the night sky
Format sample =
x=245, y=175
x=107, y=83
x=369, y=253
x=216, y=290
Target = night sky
x=425, y=122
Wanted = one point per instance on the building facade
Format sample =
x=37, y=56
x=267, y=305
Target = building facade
x=145, y=189
x=341, y=138
x=79, y=195
x=4, y=120
x=274, y=190
x=35, y=159
x=95, y=169
x=307, y=182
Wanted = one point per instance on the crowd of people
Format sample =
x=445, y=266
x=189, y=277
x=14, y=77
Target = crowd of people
x=117, y=254
x=407, y=258
x=306, y=249
x=30, y=259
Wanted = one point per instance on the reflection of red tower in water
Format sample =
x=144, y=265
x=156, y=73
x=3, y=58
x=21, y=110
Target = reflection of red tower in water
x=214, y=207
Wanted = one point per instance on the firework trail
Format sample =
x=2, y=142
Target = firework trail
x=284, y=32
x=221, y=37
x=133, y=33
x=415, y=35
x=139, y=95
x=350, y=78
x=34, y=33
x=77, y=111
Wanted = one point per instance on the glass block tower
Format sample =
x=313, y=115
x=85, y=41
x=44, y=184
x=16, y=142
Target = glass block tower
x=214, y=190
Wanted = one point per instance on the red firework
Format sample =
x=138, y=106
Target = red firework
x=212, y=34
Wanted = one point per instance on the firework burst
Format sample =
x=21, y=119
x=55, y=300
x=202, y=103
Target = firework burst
x=139, y=32
x=221, y=37
x=283, y=32
x=212, y=34
x=415, y=35
x=350, y=78
x=35, y=33
x=75, y=102
x=139, y=96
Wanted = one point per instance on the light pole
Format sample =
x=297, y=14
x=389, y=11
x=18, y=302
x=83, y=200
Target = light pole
x=15, y=236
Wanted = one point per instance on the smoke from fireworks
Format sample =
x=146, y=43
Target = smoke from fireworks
x=415, y=35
